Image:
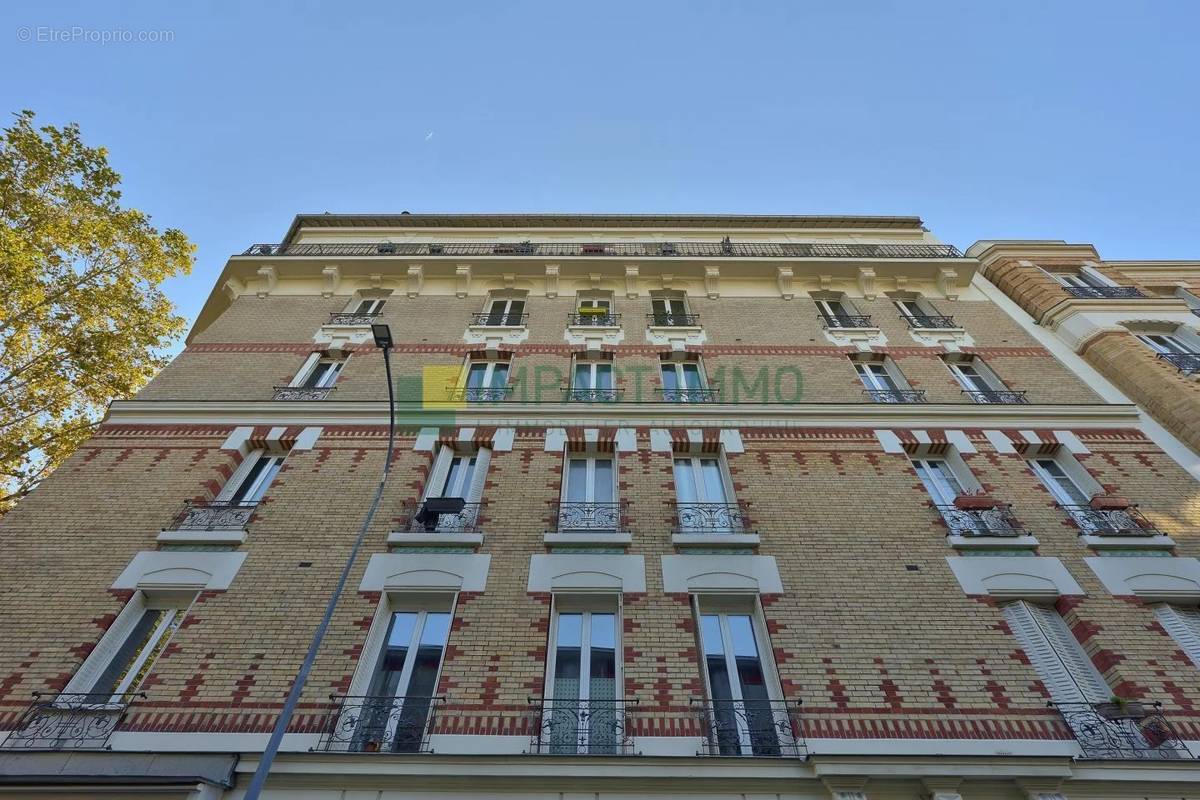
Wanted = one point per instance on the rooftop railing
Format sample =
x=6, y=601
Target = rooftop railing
x=1123, y=730
x=619, y=249
x=1103, y=292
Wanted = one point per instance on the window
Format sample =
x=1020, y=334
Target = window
x=593, y=311
x=366, y=307
x=939, y=479
x=395, y=714
x=505, y=311
x=980, y=383
x=911, y=309
x=970, y=376
x=1056, y=655
x=592, y=381
x=1165, y=343
x=1061, y=486
x=486, y=380
x=704, y=500
x=740, y=684
x=589, y=495
x=670, y=311
x=838, y=313
x=1080, y=280
x=582, y=711
x=884, y=383
x=458, y=475
x=1183, y=625
x=322, y=375
x=683, y=382
x=945, y=481
x=135, y=657
x=252, y=479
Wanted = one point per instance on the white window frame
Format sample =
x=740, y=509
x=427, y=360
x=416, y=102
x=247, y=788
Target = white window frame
x=1183, y=625
x=1171, y=344
x=730, y=498
x=585, y=604
x=674, y=305
x=365, y=305
x=314, y=363
x=590, y=479
x=505, y=303
x=982, y=371
x=1072, y=470
x=261, y=483
x=922, y=307
x=593, y=372
x=489, y=372
x=474, y=492
x=831, y=317
x=870, y=380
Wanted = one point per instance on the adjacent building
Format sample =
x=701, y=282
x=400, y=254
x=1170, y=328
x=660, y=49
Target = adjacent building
x=703, y=506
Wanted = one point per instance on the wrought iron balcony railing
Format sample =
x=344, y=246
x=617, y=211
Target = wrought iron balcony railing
x=930, y=321
x=770, y=728
x=379, y=724
x=673, y=320
x=896, y=395
x=594, y=320
x=487, y=318
x=426, y=517
x=349, y=318
x=847, y=320
x=1129, y=730
x=1110, y=521
x=592, y=395
x=580, y=727
x=67, y=721
x=1187, y=363
x=1103, y=292
x=708, y=394
x=599, y=249
x=714, y=518
x=209, y=515
x=576, y=517
x=995, y=521
x=478, y=394
x=997, y=396
x=302, y=392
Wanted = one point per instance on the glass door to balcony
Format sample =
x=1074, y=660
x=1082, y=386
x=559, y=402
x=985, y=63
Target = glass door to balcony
x=741, y=717
x=506, y=312
x=1058, y=482
x=592, y=381
x=669, y=311
x=256, y=481
x=323, y=374
x=943, y=487
x=703, y=500
x=876, y=377
x=456, y=477
x=592, y=311
x=835, y=313
x=486, y=380
x=683, y=382
x=1164, y=343
x=395, y=716
x=970, y=377
x=589, y=498
x=583, y=716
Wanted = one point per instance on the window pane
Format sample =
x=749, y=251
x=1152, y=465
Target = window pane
x=685, y=481
x=499, y=376
x=475, y=375
x=137, y=639
x=604, y=487
x=603, y=658
x=604, y=376
x=710, y=634
x=670, y=378
x=714, y=486
x=567, y=656
x=583, y=376
x=437, y=628
x=391, y=660
x=577, y=480
x=741, y=633
x=691, y=376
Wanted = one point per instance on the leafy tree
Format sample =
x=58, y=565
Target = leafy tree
x=82, y=320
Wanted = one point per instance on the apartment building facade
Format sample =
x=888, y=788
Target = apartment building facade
x=709, y=506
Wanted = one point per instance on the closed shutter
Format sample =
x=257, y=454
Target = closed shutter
x=482, y=459
x=441, y=468
x=1056, y=654
x=1183, y=624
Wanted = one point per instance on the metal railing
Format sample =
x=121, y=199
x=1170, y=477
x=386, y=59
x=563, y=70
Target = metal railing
x=590, y=517
x=350, y=318
x=896, y=395
x=846, y=320
x=673, y=320
x=580, y=727
x=1187, y=363
x=997, y=396
x=995, y=521
x=478, y=394
x=647, y=249
x=67, y=721
x=1103, y=292
x=769, y=728
x=208, y=515
x=578, y=395
x=415, y=518
x=708, y=394
x=486, y=319
x=714, y=518
x=379, y=724
x=1129, y=730
x=593, y=320
x=1110, y=521
x=302, y=392
x=930, y=321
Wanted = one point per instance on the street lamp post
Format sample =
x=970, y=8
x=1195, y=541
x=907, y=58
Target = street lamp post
x=383, y=340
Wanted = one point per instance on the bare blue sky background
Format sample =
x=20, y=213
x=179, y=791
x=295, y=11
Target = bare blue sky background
x=1063, y=120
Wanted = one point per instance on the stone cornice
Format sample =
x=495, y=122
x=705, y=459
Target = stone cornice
x=1137, y=308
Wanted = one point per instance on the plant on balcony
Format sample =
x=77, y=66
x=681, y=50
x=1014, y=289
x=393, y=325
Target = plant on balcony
x=974, y=501
x=1121, y=708
x=1109, y=502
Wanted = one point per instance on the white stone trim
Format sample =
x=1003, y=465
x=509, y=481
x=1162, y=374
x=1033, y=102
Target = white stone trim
x=218, y=536
x=1151, y=579
x=889, y=441
x=626, y=440
x=307, y=438
x=865, y=340
x=1013, y=577
x=591, y=539
x=557, y=572
x=731, y=441
x=660, y=441
x=1071, y=442
x=449, y=538
x=238, y=438
x=959, y=441
x=991, y=542
x=1126, y=542
x=502, y=441
x=1000, y=442
x=556, y=440
x=426, y=439
x=715, y=539
x=446, y=572
x=178, y=569
x=721, y=573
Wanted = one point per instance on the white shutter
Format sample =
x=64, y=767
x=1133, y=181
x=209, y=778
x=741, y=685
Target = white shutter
x=1056, y=654
x=1183, y=624
x=479, y=476
x=437, y=475
x=104, y=651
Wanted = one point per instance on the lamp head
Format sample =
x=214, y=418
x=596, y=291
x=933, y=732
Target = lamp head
x=383, y=336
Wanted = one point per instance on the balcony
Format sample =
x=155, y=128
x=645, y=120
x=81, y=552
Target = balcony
x=988, y=519
x=917, y=321
x=618, y=249
x=580, y=727
x=689, y=395
x=574, y=395
x=353, y=319
x=1103, y=292
x=1127, y=521
x=582, y=517
x=209, y=515
x=478, y=394
x=441, y=515
x=289, y=393
x=1187, y=363
x=997, y=396
x=673, y=320
x=604, y=320
x=379, y=724
x=765, y=728
x=1123, y=730
x=487, y=319
x=67, y=721
x=840, y=321
x=718, y=519
x=895, y=395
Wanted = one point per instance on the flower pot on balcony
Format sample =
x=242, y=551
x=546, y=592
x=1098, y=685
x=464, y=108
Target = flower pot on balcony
x=974, y=502
x=370, y=747
x=1109, y=502
x=1121, y=710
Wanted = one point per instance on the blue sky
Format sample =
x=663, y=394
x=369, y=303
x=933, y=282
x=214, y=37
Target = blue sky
x=1063, y=120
